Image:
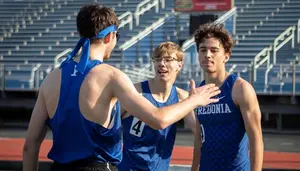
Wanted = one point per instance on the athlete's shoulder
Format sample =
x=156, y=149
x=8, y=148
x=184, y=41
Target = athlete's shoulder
x=242, y=91
x=182, y=94
x=105, y=72
x=241, y=85
x=52, y=78
x=105, y=69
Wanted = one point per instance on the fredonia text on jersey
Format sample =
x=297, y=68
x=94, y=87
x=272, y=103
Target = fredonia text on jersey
x=214, y=109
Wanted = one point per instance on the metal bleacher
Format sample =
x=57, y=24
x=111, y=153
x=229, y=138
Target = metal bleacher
x=259, y=23
x=36, y=31
x=33, y=32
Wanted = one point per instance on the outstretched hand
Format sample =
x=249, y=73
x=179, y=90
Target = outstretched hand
x=204, y=94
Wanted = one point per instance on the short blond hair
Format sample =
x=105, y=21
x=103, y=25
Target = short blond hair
x=169, y=48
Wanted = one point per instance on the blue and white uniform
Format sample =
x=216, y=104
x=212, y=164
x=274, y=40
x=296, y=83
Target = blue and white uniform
x=225, y=142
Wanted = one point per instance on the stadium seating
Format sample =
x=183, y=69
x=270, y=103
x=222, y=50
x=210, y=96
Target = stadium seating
x=51, y=29
x=258, y=24
x=33, y=32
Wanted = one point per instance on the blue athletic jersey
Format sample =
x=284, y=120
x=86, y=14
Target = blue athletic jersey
x=225, y=142
x=76, y=138
x=146, y=149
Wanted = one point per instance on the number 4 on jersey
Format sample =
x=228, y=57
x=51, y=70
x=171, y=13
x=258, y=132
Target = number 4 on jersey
x=137, y=127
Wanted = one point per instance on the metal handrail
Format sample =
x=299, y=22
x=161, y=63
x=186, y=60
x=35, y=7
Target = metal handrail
x=188, y=43
x=163, y=3
x=267, y=76
x=144, y=68
x=227, y=15
x=290, y=32
x=144, y=33
x=232, y=68
x=58, y=56
x=2, y=79
x=262, y=57
x=33, y=76
x=294, y=64
x=126, y=18
x=138, y=76
x=298, y=28
x=144, y=6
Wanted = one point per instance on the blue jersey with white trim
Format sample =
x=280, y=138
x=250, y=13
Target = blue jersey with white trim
x=225, y=142
x=146, y=149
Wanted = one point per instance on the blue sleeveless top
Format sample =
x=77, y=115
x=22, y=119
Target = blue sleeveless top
x=225, y=142
x=145, y=148
x=76, y=138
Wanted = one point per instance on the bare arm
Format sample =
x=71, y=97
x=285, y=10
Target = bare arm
x=245, y=97
x=189, y=119
x=124, y=113
x=197, y=148
x=158, y=118
x=36, y=133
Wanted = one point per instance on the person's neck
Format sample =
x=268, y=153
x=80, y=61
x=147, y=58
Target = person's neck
x=97, y=52
x=160, y=90
x=216, y=78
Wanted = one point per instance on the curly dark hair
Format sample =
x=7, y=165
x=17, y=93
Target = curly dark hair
x=93, y=18
x=217, y=31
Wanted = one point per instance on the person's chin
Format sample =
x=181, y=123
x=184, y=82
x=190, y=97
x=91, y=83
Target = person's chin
x=163, y=78
x=208, y=69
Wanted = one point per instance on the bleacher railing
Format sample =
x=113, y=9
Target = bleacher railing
x=298, y=28
x=232, y=68
x=2, y=79
x=163, y=3
x=285, y=71
x=139, y=74
x=294, y=64
x=190, y=42
x=126, y=18
x=144, y=6
x=266, y=83
x=33, y=81
x=34, y=77
x=281, y=40
x=262, y=57
x=58, y=57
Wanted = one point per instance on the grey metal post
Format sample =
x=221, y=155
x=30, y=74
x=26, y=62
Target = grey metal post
x=3, y=82
x=138, y=49
x=294, y=78
x=234, y=25
x=151, y=43
x=177, y=26
x=37, y=82
x=251, y=74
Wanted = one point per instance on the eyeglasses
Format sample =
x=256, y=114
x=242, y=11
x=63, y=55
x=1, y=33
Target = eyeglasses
x=165, y=60
x=118, y=35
